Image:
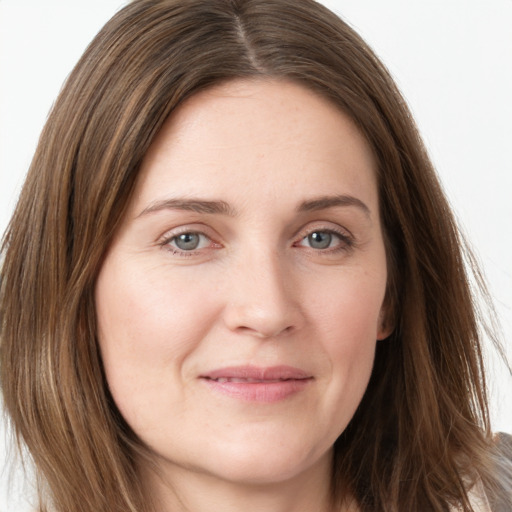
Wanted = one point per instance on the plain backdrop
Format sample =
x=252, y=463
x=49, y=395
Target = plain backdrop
x=452, y=60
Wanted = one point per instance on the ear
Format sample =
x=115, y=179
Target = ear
x=385, y=326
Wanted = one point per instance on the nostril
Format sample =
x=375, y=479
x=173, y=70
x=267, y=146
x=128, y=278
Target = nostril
x=262, y=309
x=265, y=332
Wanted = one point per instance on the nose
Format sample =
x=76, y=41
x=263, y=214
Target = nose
x=263, y=300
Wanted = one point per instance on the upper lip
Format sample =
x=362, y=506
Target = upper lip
x=258, y=374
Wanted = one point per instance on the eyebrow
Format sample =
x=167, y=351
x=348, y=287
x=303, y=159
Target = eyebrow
x=191, y=205
x=325, y=202
x=219, y=207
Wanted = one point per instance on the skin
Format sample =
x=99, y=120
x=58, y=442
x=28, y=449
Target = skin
x=257, y=290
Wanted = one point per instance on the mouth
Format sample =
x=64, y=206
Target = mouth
x=256, y=381
x=254, y=384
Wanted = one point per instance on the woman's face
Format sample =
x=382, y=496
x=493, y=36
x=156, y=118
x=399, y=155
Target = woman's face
x=240, y=303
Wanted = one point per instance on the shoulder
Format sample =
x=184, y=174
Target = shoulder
x=500, y=499
x=504, y=445
x=497, y=495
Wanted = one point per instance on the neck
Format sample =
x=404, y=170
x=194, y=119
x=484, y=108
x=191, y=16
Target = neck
x=177, y=489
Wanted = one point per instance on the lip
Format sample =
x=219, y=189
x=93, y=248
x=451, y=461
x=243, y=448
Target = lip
x=258, y=384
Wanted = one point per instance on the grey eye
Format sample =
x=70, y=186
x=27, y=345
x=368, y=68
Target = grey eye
x=187, y=241
x=320, y=239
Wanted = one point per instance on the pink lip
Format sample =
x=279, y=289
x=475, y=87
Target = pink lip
x=254, y=384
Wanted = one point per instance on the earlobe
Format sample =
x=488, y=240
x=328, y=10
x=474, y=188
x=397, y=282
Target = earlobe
x=384, y=333
x=385, y=326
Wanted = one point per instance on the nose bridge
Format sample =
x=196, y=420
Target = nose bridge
x=263, y=298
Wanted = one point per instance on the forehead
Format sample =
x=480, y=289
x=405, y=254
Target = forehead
x=272, y=137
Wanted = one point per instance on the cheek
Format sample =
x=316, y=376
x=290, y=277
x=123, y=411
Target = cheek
x=350, y=308
x=147, y=326
x=139, y=309
x=349, y=321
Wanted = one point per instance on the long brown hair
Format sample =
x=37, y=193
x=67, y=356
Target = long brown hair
x=421, y=435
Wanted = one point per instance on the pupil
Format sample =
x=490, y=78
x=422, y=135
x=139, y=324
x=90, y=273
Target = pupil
x=187, y=241
x=320, y=240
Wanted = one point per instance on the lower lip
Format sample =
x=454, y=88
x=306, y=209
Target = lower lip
x=266, y=392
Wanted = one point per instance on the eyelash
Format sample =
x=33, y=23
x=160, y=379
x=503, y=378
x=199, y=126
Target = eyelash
x=167, y=239
x=347, y=242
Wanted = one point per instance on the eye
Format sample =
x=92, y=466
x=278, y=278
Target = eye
x=325, y=239
x=189, y=241
x=319, y=239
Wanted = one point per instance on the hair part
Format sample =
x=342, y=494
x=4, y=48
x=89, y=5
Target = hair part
x=425, y=410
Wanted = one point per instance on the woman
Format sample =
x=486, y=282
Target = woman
x=242, y=286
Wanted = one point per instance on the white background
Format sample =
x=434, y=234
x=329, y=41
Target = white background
x=451, y=58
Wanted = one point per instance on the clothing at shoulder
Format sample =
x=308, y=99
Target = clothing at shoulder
x=487, y=500
x=503, y=503
x=478, y=498
x=504, y=444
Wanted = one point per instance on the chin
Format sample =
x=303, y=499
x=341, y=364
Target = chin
x=265, y=464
